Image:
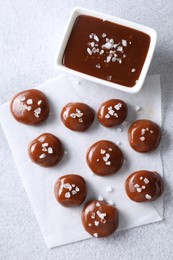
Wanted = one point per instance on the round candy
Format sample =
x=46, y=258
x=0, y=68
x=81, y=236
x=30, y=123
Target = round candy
x=144, y=186
x=30, y=107
x=46, y=150
x=77, y=116
x=144, y=135
x=112, y=112
x=104, y=158
x=99, y=219
x=70, y=190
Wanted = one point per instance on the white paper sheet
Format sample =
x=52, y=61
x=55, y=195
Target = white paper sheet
x=63, y=225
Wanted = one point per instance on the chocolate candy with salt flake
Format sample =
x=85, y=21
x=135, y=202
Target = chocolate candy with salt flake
x=30, y=107
x=112, y=112
x=144, y=135
x=99, y=219
x=70, y=190
x=77, y=116
x=144, y=186
x=46, y=150
x=104, y=158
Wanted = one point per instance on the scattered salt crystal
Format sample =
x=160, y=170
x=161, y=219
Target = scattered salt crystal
x=110, y=202
x=77, y=189
x=100, y=198
x=118, y=142
x=103, y=35
x=102, y=151
x=109, y=189
x=95, y=234
x=100, y=214
x=120, y=48
x=98, y=66
x=93, y=215
x=98, y=204
x=28, y=108
x=44, y=144
x=124, y=43
x=37, y=112
x=109, y=77
x=136, y=185
x=138, y=108
x=108, y=163
x=133, y=70
x=22, y=99
x=107, y=116
x=110, y=149
x=67, y=186
x=89, y=224
x=143, y=187
x=142, y=138
x=101, y=52
x=141, y=178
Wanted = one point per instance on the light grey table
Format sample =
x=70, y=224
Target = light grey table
x=30, y=31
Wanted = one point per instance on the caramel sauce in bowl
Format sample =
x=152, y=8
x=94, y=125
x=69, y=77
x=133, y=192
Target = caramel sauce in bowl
x=107, y=50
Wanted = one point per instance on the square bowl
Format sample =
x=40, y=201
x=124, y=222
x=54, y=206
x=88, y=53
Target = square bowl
x=141, y=28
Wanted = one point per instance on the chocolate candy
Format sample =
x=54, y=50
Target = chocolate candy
x=144, y=186
x=77, y=116
x=104, y=158
x=30, y=107
x=99, y=219
x=70, y=190
x=46, y=150
x=144, y=135
x=112, y=112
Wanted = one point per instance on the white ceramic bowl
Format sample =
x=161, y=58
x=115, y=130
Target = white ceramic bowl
x=82, y=11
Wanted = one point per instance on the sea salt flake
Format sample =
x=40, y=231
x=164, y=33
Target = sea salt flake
x=143, y=187
x=110, y=108
x=39, y=102
x=50, y=150
x=45, y=145
x=109, y=77
x=100, y=198
x=95, y=234
x=77, y=189
x=116, y=115
x=142, y=138
x=111, y=112
x=141, y=178
x=89, y=51
x=80, y=120
x=108, y=163
x=148, y=197
x=110, y=149
x=105, y=159
x=107, y=116
x=102, y=151
x=29, y=101
x=28, y=108
x=138, y=108
x=133, y=70
x=100, y=214
x=98, y=204
x=98, y=66
x=96, y=223
x=73, y=192
x=118, y=142
x=67, y=186
x=110, y=202
x=67, y=195
x=42, y=156
x=136, y=185
x=37, y=112
x=101, y=52
x=138, y=189
x=23, y=99
x=89, y=224
x=93, y=215
x=124, y=42
x=98, y=160
x=120, y=48
x=103, y=35
x=146, y=181
x=109, y=189
x=151, y=131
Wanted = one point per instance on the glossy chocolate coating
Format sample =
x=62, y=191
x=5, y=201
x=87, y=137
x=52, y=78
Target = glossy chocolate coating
x=77, y=116
x=106, y=50
x=144, y=186
x=70, y=190
x=99, y=219
x=30, y=107
x=104, y=158
x=112, y=112
x=46, y=150
x=144, y=135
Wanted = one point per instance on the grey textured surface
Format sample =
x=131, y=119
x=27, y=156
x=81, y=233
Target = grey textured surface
x=29, y=34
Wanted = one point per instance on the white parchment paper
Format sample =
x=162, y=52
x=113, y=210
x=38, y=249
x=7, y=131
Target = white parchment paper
x=63, y=225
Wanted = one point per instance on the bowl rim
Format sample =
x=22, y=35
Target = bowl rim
x=84, y=11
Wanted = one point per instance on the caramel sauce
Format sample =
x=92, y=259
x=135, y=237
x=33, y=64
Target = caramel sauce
x=106, y=50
